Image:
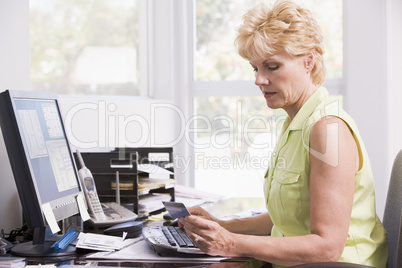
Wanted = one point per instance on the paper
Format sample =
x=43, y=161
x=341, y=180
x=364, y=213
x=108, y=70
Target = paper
x=160, y=157
x=12, y=262
x=138, y=250
x=190, y=192
x=82, y=208
x=152, y=202
x=190, y=202
x=41, y=266
x=50, y=218
x=154, y=171
x=100, y=242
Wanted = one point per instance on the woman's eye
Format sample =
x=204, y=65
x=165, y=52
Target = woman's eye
x=273, y=68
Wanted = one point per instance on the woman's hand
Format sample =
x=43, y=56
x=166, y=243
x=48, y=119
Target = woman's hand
x=207, y=234
x=200, y=212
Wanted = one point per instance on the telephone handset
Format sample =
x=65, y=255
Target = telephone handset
x=94, y=205
x=102, y=214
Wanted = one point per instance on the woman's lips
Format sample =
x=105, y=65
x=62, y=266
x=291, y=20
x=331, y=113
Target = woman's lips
x=269, y=94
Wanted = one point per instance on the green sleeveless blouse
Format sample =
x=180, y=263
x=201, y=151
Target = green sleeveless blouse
x=286, y=185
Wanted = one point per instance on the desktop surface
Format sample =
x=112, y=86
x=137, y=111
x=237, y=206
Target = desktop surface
x=222, y=209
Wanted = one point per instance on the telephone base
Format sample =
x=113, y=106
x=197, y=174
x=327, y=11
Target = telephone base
x=115, y=214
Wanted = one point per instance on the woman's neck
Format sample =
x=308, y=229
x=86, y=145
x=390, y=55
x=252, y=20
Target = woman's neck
x=294, y=109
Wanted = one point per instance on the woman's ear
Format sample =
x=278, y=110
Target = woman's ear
x=309, y=61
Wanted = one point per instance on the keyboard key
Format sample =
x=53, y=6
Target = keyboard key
x=169, y=237
x=185, y=237
x=177, y=237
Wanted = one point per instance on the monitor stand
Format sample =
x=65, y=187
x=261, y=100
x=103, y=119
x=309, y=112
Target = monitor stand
x=39, y=247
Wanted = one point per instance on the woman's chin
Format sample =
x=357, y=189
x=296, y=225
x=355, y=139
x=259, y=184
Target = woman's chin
x=273, y=105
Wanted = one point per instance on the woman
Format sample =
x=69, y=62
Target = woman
x=319, y=188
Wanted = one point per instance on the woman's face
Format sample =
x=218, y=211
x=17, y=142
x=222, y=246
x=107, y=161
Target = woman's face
x=284, y=80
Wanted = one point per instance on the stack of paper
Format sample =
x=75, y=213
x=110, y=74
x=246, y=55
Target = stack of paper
x=100, y=242
x=12, y=262
x=151, y=202
x=147, y=183
x=155, y=171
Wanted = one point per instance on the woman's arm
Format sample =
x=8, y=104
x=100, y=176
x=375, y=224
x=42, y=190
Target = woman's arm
x=334, y=160
x=256, y=225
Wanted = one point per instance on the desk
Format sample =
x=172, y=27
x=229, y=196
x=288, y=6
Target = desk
x=220, y=209
x=235, y=205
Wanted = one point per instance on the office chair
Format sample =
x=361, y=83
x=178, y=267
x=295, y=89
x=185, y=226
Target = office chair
x=391, y=220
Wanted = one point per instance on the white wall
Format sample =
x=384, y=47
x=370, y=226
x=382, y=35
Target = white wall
x=99, y=123
x=14, y=70
x=394, y=72
x=370, y=95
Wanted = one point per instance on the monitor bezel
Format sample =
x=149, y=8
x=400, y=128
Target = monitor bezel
x=28, y=192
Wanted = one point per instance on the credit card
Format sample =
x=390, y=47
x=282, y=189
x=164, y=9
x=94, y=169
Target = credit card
x=176, y=209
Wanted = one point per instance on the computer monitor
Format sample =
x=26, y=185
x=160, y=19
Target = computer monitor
x=42, y=163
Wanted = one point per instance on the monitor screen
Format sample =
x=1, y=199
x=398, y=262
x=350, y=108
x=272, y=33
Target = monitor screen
x=47, y=149
x=40, y=156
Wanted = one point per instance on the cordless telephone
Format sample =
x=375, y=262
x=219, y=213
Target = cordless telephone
x=102, y=214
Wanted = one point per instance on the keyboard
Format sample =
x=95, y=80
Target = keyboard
x=170, y=240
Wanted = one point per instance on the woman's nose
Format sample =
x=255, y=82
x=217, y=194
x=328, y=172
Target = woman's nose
x=260, y=79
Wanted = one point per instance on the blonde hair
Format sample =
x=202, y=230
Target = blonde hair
x=283, y=27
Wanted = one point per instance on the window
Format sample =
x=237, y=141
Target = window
x=85, y=46
x=216, y=21
x=236, y=130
